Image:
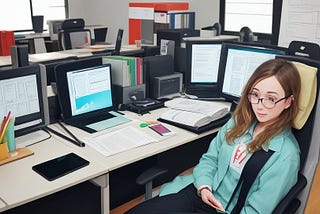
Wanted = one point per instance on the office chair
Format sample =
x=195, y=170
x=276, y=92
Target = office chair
x=290, y=203
x=115, y=50
x=100, y=35
x=303, y=131
x=246, y=35
x=73, y=35
x=216, y=26
x=304, y=49
x=117, y=47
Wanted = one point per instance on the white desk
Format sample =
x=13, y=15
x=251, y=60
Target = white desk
x=81, y=52
x=20, y=184
x=212, y=38
x=5, y=60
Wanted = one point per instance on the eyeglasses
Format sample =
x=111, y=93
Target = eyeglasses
x=268, y=102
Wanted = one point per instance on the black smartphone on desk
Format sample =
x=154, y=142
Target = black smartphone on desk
x=60, y=166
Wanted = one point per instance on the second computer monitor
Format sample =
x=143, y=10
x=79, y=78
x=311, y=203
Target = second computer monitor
x=203, y=61
x=238, y=62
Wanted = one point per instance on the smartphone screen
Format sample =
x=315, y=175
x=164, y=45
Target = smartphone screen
x=160, y=129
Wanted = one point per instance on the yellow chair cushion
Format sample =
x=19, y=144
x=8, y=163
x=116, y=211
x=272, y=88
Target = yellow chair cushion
x=308, y=76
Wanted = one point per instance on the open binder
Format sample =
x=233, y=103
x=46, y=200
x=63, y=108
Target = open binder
x=198, y=130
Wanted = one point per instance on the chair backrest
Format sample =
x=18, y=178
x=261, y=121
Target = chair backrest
x=118, y=42
x=100, y=34
x=304, y=49
x=73, y=35
x=304, y=135
x=246, y=34
x=217, y=27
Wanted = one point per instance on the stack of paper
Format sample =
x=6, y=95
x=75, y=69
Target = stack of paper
x=118, y=141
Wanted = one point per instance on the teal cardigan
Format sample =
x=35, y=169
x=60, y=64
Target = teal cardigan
x=273, y=182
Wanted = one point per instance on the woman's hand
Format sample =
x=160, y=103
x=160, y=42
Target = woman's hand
x=208, y=198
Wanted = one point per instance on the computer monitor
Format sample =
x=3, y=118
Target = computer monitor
x=238, y=62
x=23, y=92
x=203, y=60
x=97, y=97
x=84, y=86
x=48, y=67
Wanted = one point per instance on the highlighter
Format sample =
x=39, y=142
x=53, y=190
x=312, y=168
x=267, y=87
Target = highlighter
x=10, y=136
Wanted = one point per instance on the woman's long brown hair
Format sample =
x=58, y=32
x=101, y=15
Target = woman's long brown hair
x=288, y=77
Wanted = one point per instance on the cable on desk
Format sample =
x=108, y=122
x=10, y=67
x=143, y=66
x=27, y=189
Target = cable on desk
x=3, y=201
x=47, y=138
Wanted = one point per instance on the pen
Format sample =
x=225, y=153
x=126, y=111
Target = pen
x=4, y=125
x=79, y=142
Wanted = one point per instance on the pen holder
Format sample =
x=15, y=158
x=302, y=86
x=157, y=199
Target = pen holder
x=10, y=137
x=4, y=152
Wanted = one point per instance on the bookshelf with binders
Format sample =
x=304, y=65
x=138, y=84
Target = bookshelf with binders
x=127, y=77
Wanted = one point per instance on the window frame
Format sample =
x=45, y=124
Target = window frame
x=263, y=37
x=44, y=22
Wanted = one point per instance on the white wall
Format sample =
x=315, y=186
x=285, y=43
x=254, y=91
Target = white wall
x=114, y=14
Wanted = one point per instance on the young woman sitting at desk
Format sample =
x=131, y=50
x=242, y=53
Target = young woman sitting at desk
x=261, y=123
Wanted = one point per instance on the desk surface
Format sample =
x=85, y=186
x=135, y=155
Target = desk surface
x=81, y=52
x=20, y=184
x=213, y=38
x=5, y=60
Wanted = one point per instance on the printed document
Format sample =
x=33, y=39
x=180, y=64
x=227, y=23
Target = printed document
x=120, y=140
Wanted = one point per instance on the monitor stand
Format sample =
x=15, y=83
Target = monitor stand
x=233, y=106
x=31, y=138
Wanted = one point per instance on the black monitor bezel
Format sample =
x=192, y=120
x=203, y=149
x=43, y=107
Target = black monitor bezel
x=40, y=79
x=237, y=45
x=61, y=71
x=49, y=66
x=201, y=88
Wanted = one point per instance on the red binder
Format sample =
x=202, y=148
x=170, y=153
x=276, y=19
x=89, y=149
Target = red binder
x=135, y=23
x=6, y=41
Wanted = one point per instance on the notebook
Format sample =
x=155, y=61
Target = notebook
x=85, y=95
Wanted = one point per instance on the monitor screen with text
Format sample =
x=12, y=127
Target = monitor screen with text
x=240, y=61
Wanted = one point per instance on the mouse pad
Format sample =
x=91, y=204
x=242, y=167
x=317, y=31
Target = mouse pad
x=60, y=166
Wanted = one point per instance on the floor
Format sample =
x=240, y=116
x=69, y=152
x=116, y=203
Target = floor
x=83, y=198
x=313, y=204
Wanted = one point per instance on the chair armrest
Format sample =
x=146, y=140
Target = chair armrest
x=284, y=204
x=150, y=175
